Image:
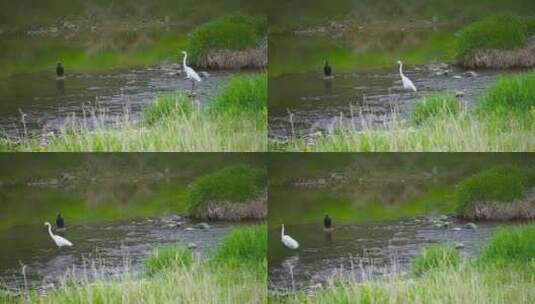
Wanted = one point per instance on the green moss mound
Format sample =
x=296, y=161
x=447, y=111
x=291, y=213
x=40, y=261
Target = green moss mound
x=511, y=94
x=231, y=184
x=167, y=105
x=232, y=32
x=434, y=106
x=499, y=184
x=435, y=257
x=510, y=246
x=504, y=31
x=167, y=257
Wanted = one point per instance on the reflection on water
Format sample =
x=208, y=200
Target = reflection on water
x=362, y=251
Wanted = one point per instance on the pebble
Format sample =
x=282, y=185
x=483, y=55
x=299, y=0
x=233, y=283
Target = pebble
x=192, y=245
x=470, y=74
x=458, y=77
x=459, y=94
x=471, y=226
x=190, y=229
x=456, y=229
x=459, y=245
x=202, y=226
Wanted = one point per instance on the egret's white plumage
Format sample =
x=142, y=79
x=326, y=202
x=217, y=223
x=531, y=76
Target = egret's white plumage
x=407, y=83
x=190, y=73
x=288, y=241
x=60, y=241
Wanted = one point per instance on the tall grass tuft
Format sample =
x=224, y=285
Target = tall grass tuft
x=435, y=258
x=167, y=257
x=232, y=32
x=244, y=95
x=511, y=246
x=167, y=106
x=243, y=247
x=435, y=105
x=231, y=184
x=504, y=31
x=511, y=94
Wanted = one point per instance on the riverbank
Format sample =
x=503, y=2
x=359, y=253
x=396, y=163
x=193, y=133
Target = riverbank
x=174, y=273
x=235, y=121
x=501, y=273
x=501, y=121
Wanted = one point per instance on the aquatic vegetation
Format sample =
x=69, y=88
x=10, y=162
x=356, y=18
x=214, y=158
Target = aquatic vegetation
x=199, y=282
x=167, y=105
x=232, y=32
x=495, y=32
x=511, y=94
x=434, y=258
x=231, y=185
x=243, y=247
x=171, y=128
x=510, y=247
x=167, y=257
x=478, y=280
x=464, y=285
x=435, y=105
x=502, y=121
x=445, y=133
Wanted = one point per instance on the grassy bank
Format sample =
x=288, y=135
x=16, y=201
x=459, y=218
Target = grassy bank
x=498, y=41
x=502, y=273
x=230, y=32
x=173, y=274
x=233, y=193
x=234, y=121
x=502, y=121
x=497, y=193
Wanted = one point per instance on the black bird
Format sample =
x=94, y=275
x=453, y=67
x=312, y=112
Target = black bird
x=327, y=70
x=59, y=221
x=59, y=70
x=327, y=222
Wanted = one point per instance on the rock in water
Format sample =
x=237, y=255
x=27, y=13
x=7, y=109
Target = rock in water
x=471, y=226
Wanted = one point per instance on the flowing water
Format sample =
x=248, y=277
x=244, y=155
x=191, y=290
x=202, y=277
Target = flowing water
x=101, y=250
x=305, y=104
x=38, y=104
x=362, y=251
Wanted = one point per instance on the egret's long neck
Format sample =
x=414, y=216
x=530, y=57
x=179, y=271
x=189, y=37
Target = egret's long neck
x=282, y=231
x=401, y=69
x=50, y=231
x=184, y=60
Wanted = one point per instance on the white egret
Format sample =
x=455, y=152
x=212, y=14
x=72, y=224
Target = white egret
x=288, y=241
x=60, y=241
x=190, y=73
x=407, y=83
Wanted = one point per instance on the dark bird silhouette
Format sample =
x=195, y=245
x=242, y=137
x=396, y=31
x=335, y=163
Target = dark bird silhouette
x=327, y=70
x=60, y=223
x=327, y=222
x=59, y=70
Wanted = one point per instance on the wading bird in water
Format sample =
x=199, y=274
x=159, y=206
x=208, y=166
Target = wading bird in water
x=288, y=241
x=60, y=241
x=190, y=73
x=327, y=71
x=60, y=73
x=60, y=223
x=327, y=223
x=407, y=83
